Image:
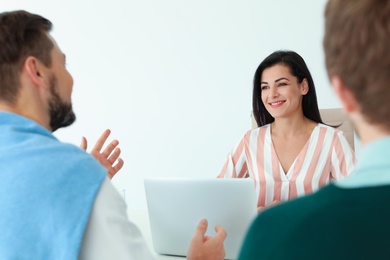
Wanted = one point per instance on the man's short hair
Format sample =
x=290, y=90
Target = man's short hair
x=357, y=49
x=22, y=34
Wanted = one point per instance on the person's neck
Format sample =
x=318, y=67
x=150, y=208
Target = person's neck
x=8, y=107
x=367, y=131
x=25, y=108
x=292, y=126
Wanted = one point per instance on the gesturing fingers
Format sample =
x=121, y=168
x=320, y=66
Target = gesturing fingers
x=109, y=157
x=116, y=168
x=114, y=156
x=100, y=142
x=110, y=148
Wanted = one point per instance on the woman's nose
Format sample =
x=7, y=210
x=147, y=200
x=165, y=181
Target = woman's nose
x=273, y=92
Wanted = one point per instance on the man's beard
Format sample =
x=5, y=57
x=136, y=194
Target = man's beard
x=61, y=113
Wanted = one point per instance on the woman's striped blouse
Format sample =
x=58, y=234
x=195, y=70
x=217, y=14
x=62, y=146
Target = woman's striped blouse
x=325, y=156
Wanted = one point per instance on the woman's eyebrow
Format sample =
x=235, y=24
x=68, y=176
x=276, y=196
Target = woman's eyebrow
x=281, y=79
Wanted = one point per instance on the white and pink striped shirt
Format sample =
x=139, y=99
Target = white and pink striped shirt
x=325, y=156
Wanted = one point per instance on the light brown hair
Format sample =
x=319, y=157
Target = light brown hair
x=22, y=34
x=357, y=49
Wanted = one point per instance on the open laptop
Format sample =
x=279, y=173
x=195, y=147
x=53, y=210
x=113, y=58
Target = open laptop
x=177, y=205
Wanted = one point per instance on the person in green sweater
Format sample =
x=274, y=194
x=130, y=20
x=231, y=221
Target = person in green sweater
x=348, y=219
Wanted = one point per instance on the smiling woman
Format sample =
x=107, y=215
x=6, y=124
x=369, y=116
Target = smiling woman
x=291, y=153
x=281, y=92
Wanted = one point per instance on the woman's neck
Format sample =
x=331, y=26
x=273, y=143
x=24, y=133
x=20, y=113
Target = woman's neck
x=292, y=126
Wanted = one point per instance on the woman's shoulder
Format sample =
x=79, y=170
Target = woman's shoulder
x=258, y=129
x=255, y=131
x=329, y=128
x=333, y=134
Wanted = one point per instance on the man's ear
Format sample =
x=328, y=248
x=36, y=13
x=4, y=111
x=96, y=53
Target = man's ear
x=344, y=94
x=35, y=70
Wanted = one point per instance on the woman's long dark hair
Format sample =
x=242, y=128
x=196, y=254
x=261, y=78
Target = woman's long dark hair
x=298, y=69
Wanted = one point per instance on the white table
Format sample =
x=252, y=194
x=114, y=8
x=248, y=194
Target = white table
x=141, y=219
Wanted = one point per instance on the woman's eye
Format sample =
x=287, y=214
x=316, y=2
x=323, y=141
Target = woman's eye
x=282, y=84
x=264, y=87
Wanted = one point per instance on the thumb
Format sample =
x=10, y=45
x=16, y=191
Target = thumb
x=201, y=229
x=83, y=144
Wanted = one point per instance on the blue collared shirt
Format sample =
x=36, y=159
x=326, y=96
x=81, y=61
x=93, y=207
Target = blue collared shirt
x=373, y=166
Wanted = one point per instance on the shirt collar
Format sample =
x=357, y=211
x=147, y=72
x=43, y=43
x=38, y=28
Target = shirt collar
x=373, y=166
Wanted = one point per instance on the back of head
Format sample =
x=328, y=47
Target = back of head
x=356, y=43
x=22, y=34
x=298, y=69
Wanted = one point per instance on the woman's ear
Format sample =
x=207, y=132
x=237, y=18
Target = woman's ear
x=35, y=70
x=344, y=94
x=304, y=87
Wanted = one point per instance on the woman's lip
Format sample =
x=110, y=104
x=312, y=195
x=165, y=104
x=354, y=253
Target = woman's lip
x=276, y=103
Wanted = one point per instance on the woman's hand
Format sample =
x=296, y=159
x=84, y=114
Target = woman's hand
x=109, y=158
x=273, y=203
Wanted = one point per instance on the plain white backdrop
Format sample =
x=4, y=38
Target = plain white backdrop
x=172, y=79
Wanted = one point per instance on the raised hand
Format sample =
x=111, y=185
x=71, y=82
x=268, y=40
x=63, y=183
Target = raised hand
x=109, y=158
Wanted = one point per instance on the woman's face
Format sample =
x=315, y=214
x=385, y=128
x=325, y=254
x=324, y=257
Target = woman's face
x=281, y=93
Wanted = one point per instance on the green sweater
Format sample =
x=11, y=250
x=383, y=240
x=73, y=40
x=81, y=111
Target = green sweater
x=334, y=223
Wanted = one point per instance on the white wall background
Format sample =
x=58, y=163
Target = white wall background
x=172, y=78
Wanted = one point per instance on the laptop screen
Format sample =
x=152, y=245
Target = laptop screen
x=176, y=206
